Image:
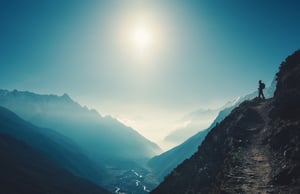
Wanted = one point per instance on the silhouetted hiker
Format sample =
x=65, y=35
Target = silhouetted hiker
x=260, y=89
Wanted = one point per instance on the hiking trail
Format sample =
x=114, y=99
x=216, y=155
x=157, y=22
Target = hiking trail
x=254, y=172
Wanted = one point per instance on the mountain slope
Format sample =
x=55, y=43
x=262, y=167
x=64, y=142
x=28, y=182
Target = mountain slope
x=90, y=130
x=253, y=150
x=164, y=163
x=112, y=148
x=55, y=146
x=24, y=170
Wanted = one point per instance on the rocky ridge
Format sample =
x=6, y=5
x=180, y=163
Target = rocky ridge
x=256, y=149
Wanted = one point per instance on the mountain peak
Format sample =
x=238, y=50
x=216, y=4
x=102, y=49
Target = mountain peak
x=66, y=97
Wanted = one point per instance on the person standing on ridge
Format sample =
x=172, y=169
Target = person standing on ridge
x=260, y=89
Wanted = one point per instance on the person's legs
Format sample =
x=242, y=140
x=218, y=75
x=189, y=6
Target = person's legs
x=259, y=93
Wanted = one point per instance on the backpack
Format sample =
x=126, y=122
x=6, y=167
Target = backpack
x=263, y=85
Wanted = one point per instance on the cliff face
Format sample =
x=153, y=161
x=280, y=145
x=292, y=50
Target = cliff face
x=284, y=133
x=256, y=149
x=287, y=95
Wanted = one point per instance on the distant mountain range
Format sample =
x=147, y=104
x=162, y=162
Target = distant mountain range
x=255, y=149
x=193, y=122
x=164, y=163
x=107, y=144
x=35, y=160
x=86, y=127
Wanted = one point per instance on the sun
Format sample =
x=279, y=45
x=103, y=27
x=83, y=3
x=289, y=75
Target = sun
x=142, y=37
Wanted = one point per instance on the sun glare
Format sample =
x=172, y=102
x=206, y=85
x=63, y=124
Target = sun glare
x=142, y=37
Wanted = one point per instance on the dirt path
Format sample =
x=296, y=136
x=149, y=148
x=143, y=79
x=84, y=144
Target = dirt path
x=257, y=165
x=257, y=168
x=253, y=174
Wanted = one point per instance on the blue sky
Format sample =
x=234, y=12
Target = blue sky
x=205, y=53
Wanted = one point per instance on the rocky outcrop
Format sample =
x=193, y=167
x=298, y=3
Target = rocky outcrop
x=287, y=95
x=255, y=149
